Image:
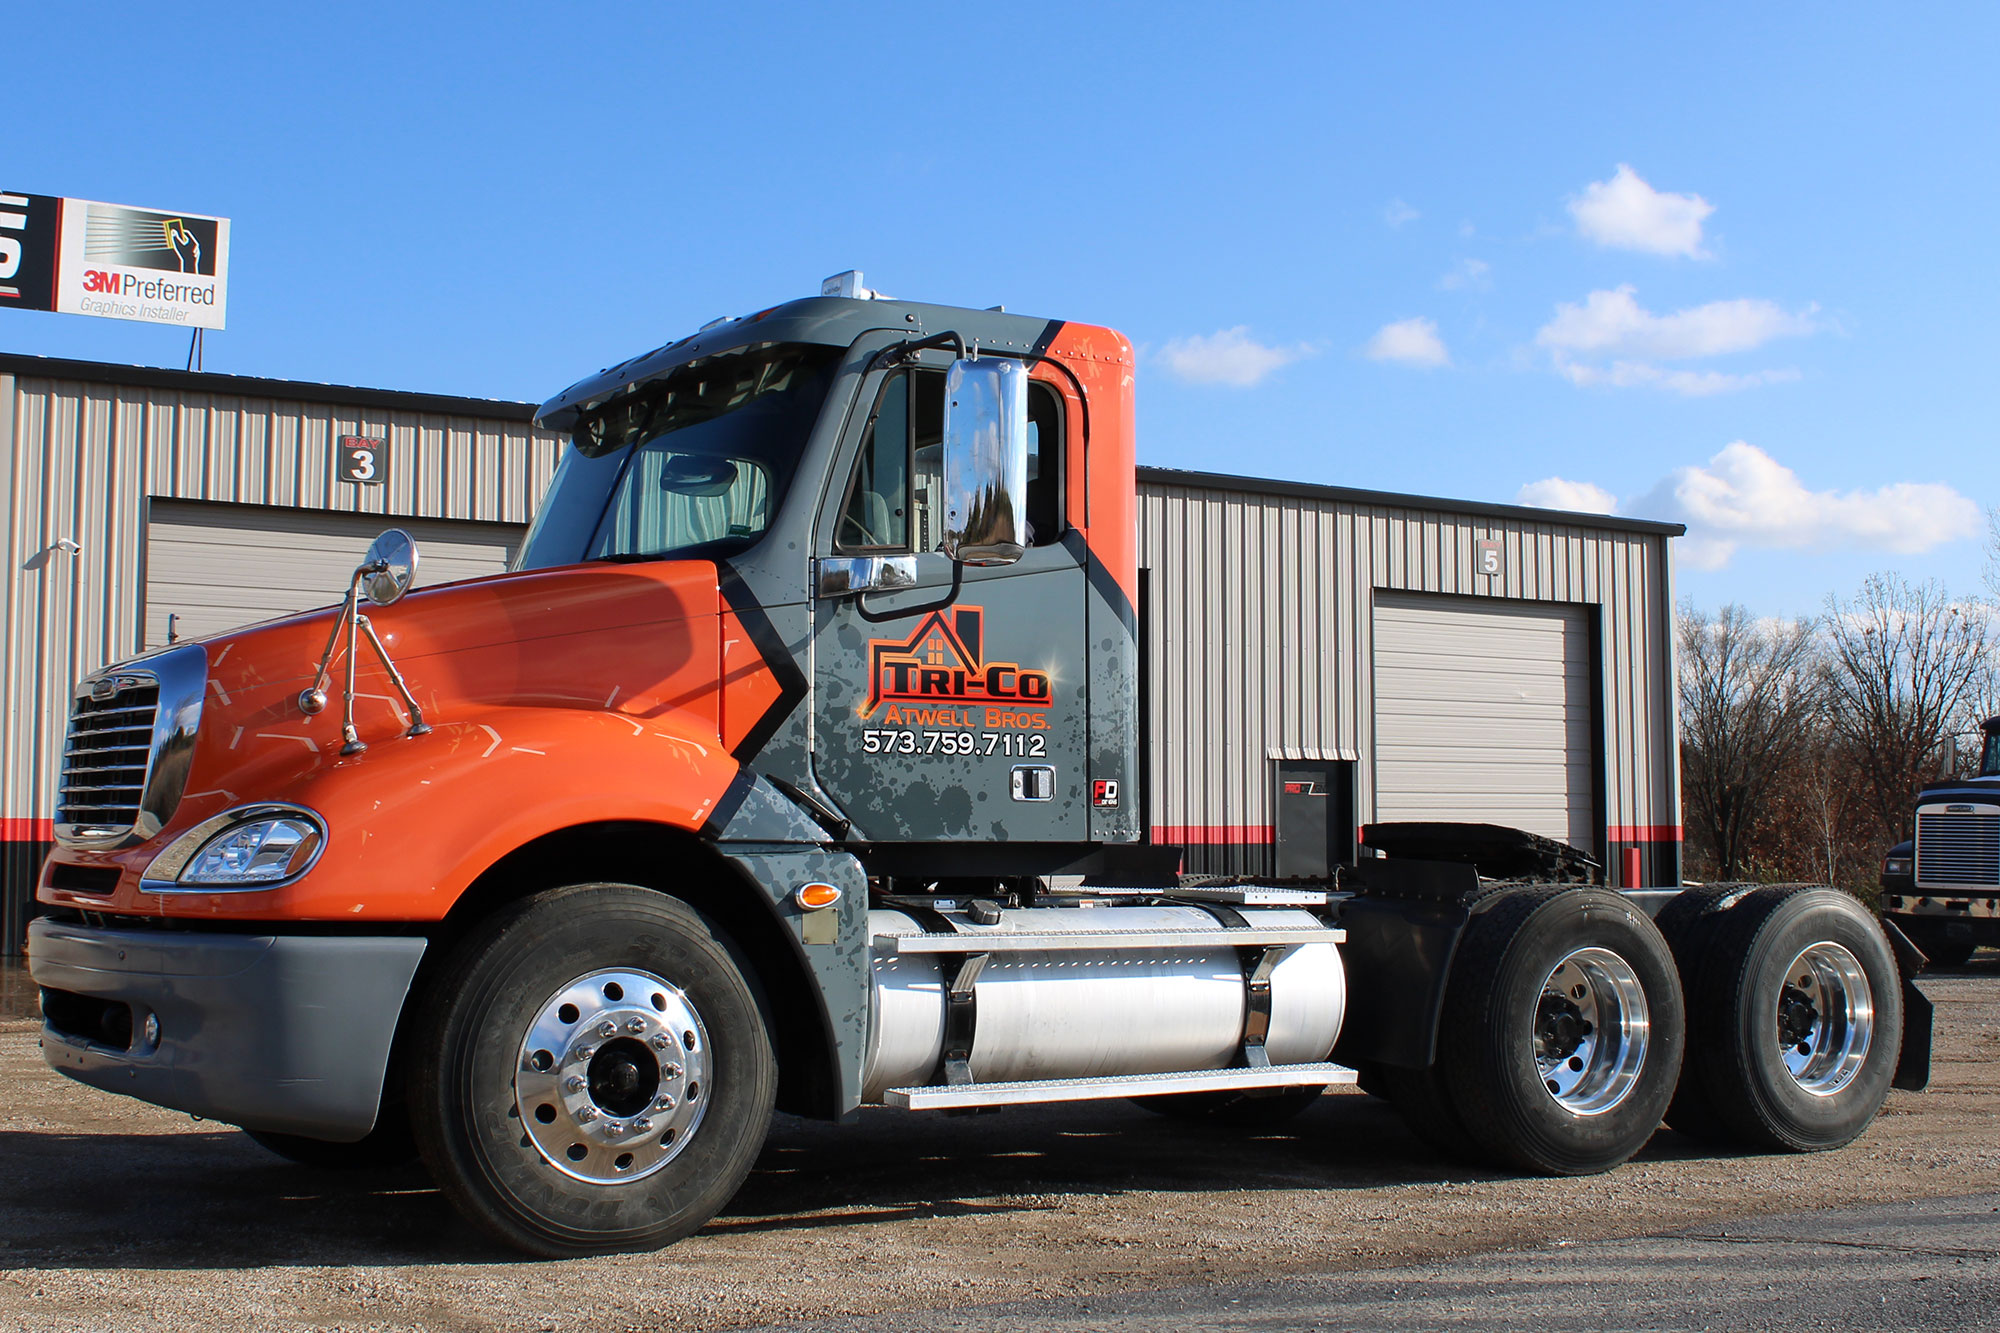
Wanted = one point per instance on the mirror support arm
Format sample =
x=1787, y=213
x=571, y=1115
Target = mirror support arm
x=350, y=619
x=897, y=353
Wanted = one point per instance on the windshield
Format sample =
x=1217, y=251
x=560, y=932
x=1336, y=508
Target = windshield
x=1989, y=757
x=695, y=463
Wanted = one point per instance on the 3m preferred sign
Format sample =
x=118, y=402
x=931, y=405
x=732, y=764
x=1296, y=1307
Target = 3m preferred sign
x=139, y=263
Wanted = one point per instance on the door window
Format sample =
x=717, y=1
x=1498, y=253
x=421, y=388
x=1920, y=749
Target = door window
x=895, y=496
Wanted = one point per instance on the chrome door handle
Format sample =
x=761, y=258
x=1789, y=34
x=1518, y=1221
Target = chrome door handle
x=851, y=575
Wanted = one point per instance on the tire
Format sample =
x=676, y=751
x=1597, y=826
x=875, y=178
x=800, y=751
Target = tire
x=1688, y=924
x=559, y=1137
x=1240, y=1109
x=1563, y=1030
x=1821, y=1090
x=389, y=1144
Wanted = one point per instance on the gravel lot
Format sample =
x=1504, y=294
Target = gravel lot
x=117, y=1215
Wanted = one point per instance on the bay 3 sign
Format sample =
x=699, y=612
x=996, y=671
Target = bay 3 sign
x=81, y=257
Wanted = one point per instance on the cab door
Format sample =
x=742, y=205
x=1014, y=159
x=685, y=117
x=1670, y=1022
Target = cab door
x=952, y=709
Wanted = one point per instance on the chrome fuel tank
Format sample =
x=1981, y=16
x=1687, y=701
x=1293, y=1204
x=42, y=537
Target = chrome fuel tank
x=1096, y=1010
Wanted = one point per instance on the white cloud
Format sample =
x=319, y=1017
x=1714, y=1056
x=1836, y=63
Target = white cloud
x=1613, y=323
x=1230, y=356
x=1688, y=383
x=1744, y=497
x=1625, y=213
x=1622, y=340
x=1409, y=342
x=1579, y=497
x=1396, y=213
x=1473, y=273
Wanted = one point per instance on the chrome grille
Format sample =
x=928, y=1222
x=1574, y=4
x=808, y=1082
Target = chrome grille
x=105, y=758
x=131, y=740
x=1958, y=848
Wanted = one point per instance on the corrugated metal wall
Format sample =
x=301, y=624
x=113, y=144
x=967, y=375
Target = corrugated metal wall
x=1260, y=632
x=81, y=460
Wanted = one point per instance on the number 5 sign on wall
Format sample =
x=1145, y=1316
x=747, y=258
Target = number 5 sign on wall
x=1492, y=561
x=363, y=460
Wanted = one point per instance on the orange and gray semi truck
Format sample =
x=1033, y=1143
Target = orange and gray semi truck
x=795, y=765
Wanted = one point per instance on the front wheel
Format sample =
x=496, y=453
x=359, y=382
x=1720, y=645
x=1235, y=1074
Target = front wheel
x=594, y=1073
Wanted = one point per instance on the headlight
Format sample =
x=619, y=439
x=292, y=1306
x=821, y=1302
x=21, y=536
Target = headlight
x=1896, y=865
x=251, y=847
x=255, y=853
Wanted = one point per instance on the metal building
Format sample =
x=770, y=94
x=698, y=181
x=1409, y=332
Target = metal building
x=1318, y=658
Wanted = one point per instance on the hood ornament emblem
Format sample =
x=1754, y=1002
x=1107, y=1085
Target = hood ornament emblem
x=384, y=575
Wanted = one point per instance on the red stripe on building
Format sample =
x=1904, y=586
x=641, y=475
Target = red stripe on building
x=1210, y=835
x=27, y=830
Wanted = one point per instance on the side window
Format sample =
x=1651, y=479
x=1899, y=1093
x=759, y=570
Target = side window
x=877, y=514
x=895, y=498
x=1045, y=449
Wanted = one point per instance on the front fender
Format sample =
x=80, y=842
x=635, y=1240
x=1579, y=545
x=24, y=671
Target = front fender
x=411, y=822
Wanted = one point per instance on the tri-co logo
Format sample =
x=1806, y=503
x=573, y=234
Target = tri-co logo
x=942, y=663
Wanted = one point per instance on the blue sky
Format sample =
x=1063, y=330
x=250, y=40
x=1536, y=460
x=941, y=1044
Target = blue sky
x=1388, y=247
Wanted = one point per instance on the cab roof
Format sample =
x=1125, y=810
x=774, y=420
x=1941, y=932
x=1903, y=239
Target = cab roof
x=833, y=321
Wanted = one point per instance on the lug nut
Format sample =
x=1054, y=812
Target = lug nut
x=635, y=1025
x=665, y=1103
x=660, y=1043
x=586, y=1114
x=670, y=1070
x=607, y=1029
x=575, y=1083
x=582, y=1053
x=641, y=1125
x=613, y=1128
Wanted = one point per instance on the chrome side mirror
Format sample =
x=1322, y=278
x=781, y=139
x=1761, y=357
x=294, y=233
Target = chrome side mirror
x=389, y=568
x=986, y=461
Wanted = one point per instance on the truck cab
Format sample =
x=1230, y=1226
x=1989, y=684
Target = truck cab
x=1943, y=886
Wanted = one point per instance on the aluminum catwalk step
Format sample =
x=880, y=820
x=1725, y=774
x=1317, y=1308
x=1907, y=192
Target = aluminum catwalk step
x=1116, y=1085
x=974, y=940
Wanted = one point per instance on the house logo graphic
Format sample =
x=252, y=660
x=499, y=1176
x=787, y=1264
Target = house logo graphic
x=941, y=664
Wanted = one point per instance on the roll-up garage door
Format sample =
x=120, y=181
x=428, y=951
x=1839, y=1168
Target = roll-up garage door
x=1483, y=714
x=213, y=567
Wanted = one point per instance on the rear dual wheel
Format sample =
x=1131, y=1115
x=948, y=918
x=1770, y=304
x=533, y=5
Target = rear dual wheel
x=1796, y=1019
x=594, y=1073
x=1561, y=1036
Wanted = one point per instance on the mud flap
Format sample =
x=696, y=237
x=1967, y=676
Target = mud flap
x=1402, y=933
x=1913, y=1069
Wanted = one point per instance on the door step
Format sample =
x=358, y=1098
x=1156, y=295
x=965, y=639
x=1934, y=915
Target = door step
x=947, y=1097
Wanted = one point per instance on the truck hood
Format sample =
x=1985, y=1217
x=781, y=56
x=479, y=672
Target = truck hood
x=540, y=666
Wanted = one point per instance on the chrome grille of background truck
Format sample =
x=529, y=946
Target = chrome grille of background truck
x=1958, y=846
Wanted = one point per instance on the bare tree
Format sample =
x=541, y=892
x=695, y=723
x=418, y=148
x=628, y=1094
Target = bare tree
x=1992, y=574
x=1906, y=665
x=1748, y=693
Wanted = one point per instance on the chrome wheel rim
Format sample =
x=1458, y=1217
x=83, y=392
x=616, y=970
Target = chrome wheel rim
x=1592, y=1029
x=612, y=1077
x=1826, y=1018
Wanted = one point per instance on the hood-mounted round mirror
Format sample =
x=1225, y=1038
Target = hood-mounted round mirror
x=389, y=568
